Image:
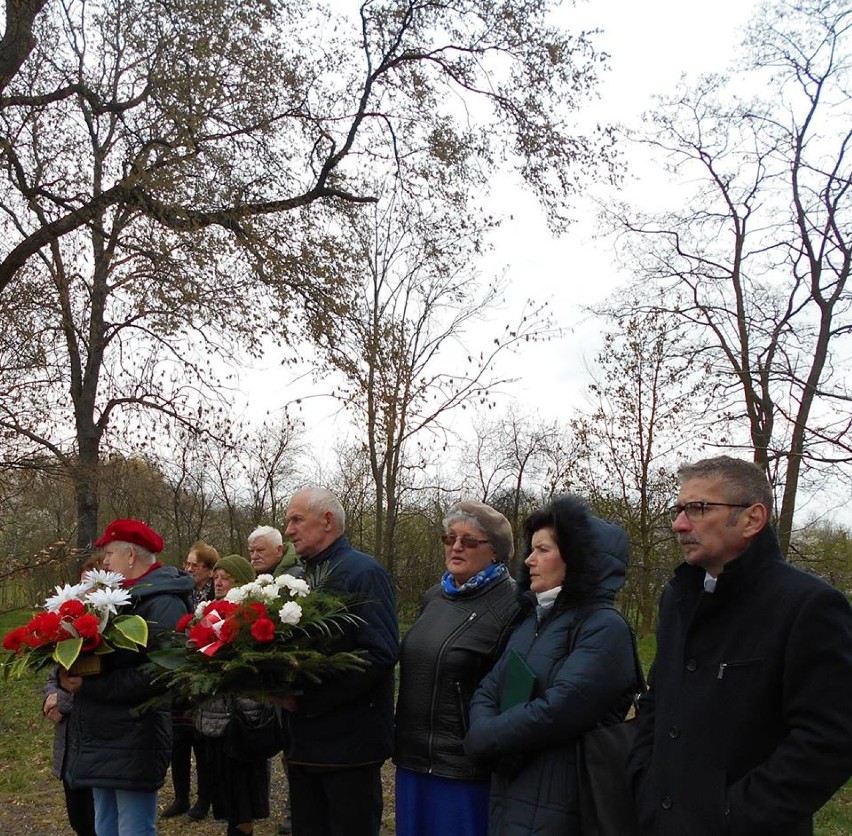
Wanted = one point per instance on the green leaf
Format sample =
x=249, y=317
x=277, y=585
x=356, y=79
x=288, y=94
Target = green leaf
x=118, y=640
x=134, y=628
x=66, y=652
x=172, y=658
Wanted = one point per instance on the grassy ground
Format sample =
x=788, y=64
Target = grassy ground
x=31, y=800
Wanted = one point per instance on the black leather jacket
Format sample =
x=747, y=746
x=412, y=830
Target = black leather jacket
x=444, y=655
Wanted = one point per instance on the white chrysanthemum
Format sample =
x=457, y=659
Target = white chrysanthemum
x=236, y=594
x=199, y=610
x=268, y=595
x=251, y=589
x=297, y=586
x=63, y=594
x=102, y=577
x=264, y=580
x=290, y=613
x=108, y=600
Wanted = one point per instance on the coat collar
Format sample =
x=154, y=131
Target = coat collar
x=740, y=573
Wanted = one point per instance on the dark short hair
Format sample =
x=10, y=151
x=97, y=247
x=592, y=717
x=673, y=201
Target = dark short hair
x=742, y=481
x=571, y=520
x=207, y=554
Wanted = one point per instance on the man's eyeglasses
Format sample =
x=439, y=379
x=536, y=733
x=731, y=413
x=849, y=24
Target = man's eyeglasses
x=695, y=510
x=468, y=541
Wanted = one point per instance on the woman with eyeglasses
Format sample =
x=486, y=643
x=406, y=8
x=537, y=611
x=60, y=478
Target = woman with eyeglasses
x=463, y=625
x=577, y=671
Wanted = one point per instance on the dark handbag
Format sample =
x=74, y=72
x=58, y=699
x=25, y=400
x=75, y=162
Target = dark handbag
x=251, y=737
x=607, y=807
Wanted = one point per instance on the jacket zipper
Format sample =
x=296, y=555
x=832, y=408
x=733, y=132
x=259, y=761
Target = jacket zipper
x=438, y=659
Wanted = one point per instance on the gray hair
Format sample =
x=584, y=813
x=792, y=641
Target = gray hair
x=743, y=481
x=321, y=501
x=460, y=516
x=141, y=552
x=490, y=522
x=272, y=534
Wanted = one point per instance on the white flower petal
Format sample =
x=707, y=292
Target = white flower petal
x=235, y=595
x=68, y=592
x=108, y=599
x=290, y=613
x=297, y=586
x=103, y=577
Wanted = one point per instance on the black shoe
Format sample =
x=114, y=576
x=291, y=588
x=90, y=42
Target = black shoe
x=198, y=812
x=285, y=828
x=178, y=806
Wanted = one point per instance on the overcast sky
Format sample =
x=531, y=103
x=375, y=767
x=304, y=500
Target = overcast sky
x=651, y=45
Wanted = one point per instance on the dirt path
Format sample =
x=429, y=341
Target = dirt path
x=43, y=813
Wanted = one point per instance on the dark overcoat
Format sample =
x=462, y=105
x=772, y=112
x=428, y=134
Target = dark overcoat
x=113, y=742
x=532, y=746
x=347, y=719
x=747, y=727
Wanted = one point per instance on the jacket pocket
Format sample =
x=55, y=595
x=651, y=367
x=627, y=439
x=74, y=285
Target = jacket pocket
x=736, y=665
x=463, y=706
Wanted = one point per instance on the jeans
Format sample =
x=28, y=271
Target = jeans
x=125, y=812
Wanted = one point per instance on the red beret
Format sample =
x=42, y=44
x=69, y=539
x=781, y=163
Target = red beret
x=132, y=531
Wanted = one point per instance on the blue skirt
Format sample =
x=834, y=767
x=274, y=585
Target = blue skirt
x=427, y=805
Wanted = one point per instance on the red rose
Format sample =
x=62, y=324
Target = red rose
x=253, y=611
x=92, y=643
x=14, y=639
x=230, y=630
x=201, y=635
x=263, y=630
x=87, y=626
x=223, y=607
x=44, y=628
x=183, y=622
x=71, y=610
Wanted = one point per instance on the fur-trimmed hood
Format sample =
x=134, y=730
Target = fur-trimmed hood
x=596, y=552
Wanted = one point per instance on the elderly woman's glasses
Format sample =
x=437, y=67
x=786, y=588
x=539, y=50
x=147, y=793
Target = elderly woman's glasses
x=468, y=541
x=695, y=510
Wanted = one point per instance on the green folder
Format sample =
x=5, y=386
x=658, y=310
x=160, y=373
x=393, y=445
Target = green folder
x=519, y=683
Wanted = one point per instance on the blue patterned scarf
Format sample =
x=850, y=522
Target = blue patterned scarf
x=488, y=575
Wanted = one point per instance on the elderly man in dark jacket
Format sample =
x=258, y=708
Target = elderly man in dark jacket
x=342, y=727
x=114, y=746
x=747, y=727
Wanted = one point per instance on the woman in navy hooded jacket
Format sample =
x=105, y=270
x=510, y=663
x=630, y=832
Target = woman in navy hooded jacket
x=576, y=565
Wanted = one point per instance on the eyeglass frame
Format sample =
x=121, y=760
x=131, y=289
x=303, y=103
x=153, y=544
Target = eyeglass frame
x=700, y=506
x=468, y=541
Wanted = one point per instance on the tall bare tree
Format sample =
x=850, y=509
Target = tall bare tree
x=405, y=348
x=18, y=39
x=757, y=261
x=644, y=416
x=516, y=461
x=164, y=165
